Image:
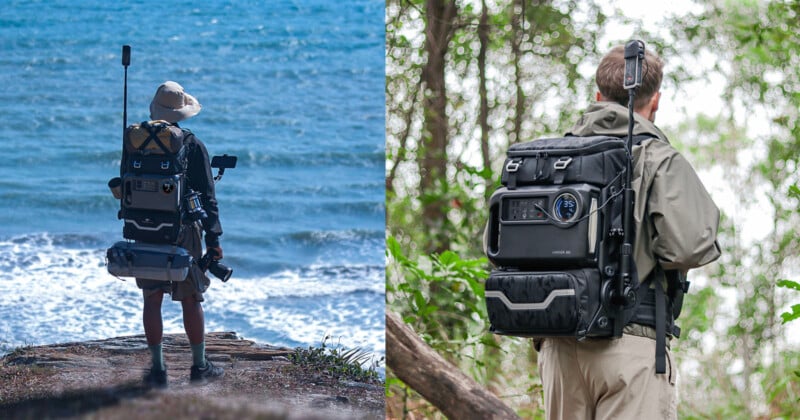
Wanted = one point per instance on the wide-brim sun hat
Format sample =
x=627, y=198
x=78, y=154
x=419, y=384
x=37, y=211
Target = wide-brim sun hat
x=172, y=104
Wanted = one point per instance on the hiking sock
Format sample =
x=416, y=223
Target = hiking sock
x=199, y=354
x=157, y=354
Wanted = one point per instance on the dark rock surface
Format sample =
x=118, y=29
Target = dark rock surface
x=103, y=379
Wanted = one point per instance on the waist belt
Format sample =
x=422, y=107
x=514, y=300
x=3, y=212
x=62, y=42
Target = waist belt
x=651, y=311
x=645, y=315
x=640, y=330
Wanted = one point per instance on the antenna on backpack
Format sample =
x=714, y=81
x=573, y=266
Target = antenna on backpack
x=623, y=293
x=126, y=61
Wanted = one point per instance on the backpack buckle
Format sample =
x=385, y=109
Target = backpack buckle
x=165, y=165
x=562, y=163
x=513, y=165
x=137, y=164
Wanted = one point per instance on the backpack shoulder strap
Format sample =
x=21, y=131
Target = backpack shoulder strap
x=153, y=130
x=189, y=140
x=639, y=138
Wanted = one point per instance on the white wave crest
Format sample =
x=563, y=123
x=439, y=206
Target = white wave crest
x=52, y=293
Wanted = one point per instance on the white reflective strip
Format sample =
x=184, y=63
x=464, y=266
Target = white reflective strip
x=157, y=228
x=592, y=225
x=529, y=306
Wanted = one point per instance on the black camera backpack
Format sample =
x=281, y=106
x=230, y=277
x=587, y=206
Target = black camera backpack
x=554, y=237
x=153, y=172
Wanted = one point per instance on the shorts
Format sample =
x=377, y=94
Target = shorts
x=196, y=283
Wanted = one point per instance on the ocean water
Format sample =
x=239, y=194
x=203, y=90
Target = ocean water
x=295, y=89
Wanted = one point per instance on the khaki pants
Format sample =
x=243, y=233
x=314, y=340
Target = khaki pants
x=606, y=379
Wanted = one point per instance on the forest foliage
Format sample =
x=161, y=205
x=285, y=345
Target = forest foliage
x=467, y=78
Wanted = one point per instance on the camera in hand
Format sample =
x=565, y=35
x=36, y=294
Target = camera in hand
x=219, y=270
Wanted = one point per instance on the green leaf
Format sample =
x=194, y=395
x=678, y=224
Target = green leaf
x=393, y=249
x=477, y=288
x=489, y=341
x=390, y=381
x=789, y=284
x=427, y=310
x=448, y=258
x=794, y=191
x=419, y=300
x=791, y=316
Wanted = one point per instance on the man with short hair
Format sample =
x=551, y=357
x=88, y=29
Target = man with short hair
x=676, y=225
x=172, y=104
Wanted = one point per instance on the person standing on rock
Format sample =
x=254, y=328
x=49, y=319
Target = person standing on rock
x=172, y=104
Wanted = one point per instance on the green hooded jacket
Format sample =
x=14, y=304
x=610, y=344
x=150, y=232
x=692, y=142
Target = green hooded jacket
x=676, y=219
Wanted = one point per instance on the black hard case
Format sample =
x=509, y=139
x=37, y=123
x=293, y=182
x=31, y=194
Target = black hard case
x=540, y=242
x=148, y=261
x=541, y=171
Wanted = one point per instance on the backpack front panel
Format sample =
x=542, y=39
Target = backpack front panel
x=153, y=181
x=550, y=237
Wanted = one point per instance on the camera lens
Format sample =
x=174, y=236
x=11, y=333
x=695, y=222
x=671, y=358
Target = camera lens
x=221, y=271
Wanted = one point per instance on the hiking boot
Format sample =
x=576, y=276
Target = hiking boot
x=208, y=372
x=157, y=378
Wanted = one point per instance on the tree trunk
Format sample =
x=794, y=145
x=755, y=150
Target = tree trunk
x=517, y=33
x=439, y=20
x=483, y=117
x=455, y=394
x=401, y=151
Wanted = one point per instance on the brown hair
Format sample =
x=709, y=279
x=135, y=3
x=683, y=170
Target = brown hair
x=611, y=71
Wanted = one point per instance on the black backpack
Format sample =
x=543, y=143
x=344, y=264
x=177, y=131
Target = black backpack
x=553, y=236
x=153, y=173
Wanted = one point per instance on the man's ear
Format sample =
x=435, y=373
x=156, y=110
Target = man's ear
x=653, y=105
x=598, y=96
x=649, y=109
x=654, y=102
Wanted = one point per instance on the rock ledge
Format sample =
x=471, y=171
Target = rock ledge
x=103, y=379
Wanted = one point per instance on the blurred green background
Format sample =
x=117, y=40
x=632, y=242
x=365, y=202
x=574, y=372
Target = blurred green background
x=467, y=78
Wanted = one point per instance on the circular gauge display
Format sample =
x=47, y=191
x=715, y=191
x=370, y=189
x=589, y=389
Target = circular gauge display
x=167, y=187
x=565, y=208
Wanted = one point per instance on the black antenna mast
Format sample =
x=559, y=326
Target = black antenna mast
x=126, y=61
x=623, y=294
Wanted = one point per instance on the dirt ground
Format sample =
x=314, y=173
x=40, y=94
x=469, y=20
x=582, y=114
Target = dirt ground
x=103, y=380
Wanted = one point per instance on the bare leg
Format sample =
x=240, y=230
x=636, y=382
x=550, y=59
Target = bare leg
x=151, y=318
x=193, y=320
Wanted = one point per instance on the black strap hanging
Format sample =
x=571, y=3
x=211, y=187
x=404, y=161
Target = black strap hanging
x=661, y=332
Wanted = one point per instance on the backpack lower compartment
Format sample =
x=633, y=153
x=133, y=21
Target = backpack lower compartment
x=546, y=303
x=151, y=226
x=148, y=261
